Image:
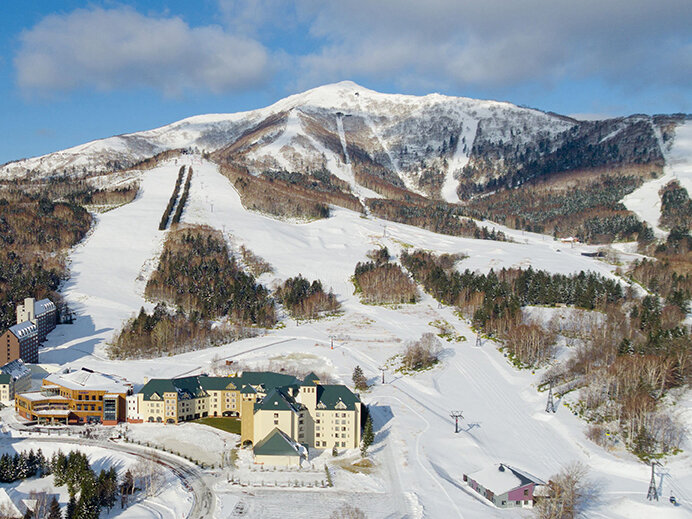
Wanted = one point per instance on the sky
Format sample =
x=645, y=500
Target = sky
x=71, y=71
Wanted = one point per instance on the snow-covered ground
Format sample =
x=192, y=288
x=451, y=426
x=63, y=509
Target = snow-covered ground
x=419, y=460
x=645, y=202
x=170, y=501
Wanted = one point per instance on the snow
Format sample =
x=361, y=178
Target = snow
x=83, y=379
x=645, y=201
x=498, y=481
x=110, y=268
x=418, y=459
x=459, y=160
x=170, y=502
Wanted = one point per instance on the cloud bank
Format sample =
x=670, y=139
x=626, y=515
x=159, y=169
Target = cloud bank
x=110, y=49
x=440, y=44
x=502, y=43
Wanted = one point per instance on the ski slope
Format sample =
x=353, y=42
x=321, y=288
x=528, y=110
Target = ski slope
x=419, y=459
x=645, y=201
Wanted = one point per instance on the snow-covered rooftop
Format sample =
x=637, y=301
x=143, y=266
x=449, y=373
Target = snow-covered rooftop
x=502, y=478
x=93, y=380
x=37, y=395
x=23, y=329
x=16, y=369
x=43, y=306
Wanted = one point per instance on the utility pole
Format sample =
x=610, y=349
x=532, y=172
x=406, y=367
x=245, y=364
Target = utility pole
x=456, y=415
x=550, y=405
x=653, y=491
x=382, y=369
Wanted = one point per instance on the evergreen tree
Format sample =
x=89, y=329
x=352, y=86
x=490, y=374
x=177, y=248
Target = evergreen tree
x=359, y=380
x=368, y=437
x=71, y=511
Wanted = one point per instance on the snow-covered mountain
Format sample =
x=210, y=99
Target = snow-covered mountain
x=422, y=144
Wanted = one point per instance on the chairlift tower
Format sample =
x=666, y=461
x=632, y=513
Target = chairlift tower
x=550, y=405
x=653, y=491
x=478, y=339
x=456, y=415
x=382, y=369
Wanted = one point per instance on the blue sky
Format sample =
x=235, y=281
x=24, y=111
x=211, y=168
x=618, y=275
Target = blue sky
x=73, y=71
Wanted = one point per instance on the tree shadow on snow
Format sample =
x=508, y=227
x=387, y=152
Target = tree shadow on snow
x=82, y=333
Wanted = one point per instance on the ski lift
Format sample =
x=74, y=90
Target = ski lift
x=672, y=500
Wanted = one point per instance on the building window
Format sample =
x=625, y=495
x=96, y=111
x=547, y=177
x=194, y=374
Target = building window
x=276, y=415
x=526, y=491
x=276, y=422
x=343, y=444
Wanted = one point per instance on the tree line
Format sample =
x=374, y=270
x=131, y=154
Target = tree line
x=160, y=333
x=163, y=224
x=89, y=492
x=196, y=273
x=381, y=282
x=439, y=217
x=183, y=197
x=34, y=231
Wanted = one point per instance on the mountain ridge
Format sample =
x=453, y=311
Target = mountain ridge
x=366, y=145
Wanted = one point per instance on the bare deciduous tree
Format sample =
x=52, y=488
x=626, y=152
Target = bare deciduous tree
x=569, y=495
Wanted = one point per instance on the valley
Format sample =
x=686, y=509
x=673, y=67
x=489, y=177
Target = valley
x=297, y=185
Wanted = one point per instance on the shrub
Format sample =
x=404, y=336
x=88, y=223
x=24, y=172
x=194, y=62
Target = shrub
x=422, y=354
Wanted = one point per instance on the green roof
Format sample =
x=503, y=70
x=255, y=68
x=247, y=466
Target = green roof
x=311, y=379
x=276, y=400
x=331, y=395
x=5, y=378
x=268, y=379
x=276, y=443
x=218, y=383
x=248, y=390
x=185, y=387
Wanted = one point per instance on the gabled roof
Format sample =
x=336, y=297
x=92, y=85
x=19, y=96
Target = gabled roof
x=247, y=389
x=336, y=397
x=277, y=443
x=501, y=478
x=277, y=400
x=311, y=379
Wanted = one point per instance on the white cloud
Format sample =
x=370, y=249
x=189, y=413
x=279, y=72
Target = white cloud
x=501, y=43
x=120, y=48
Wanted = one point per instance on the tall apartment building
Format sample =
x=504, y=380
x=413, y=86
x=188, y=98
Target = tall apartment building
x=19, y=342
x=42, y=313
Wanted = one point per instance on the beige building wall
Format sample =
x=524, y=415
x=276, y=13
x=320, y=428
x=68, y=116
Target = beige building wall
x=225, y=401
x=280, y=461
x=267, y=420
x=6, y=392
